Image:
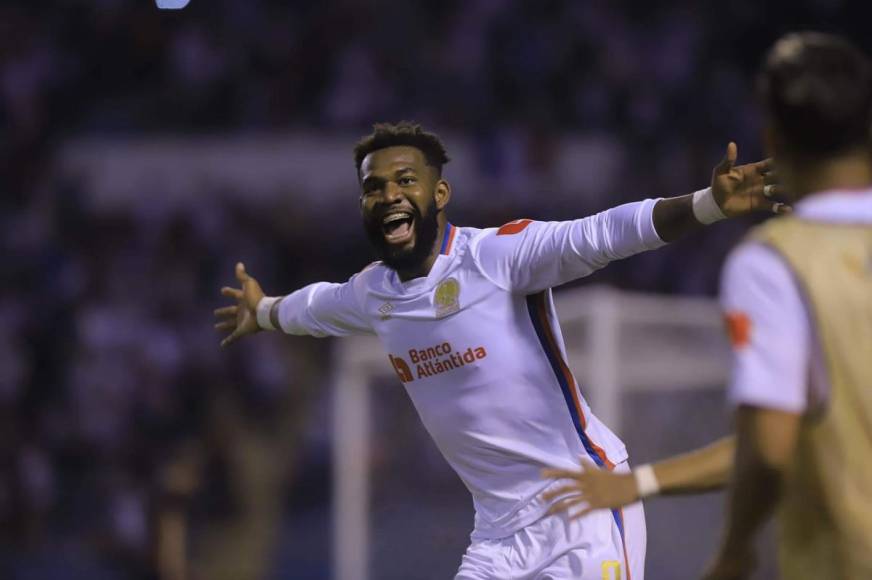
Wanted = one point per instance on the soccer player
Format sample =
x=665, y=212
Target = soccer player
x=467, y=320
x=798, y=302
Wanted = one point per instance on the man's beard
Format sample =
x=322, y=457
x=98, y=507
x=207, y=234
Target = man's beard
x=401, y=259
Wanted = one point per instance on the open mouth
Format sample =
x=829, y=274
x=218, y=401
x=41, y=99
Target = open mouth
x=398, y=227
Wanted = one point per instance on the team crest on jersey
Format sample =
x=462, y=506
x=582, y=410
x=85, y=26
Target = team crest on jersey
x=447, y=297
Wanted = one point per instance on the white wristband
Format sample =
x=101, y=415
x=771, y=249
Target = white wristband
x=705, y=208
x=646, y=481
x=264, y=308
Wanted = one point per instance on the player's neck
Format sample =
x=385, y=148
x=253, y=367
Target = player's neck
x=852, y=171
x=423, y=269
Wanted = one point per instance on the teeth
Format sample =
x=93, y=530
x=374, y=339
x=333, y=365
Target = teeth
x=395, y=217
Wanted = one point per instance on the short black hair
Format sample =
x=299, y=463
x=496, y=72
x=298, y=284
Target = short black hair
x=817, y=89
x=404, y=133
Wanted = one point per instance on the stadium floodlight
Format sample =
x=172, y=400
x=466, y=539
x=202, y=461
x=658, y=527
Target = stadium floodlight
x=172, y=4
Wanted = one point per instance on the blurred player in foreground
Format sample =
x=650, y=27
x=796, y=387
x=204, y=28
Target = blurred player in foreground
x=798, y=302
x=467, y=318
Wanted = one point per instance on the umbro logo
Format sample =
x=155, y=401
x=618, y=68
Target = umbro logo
x=385, y=310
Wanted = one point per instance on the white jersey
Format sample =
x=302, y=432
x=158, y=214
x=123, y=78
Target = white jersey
x=777, y=362
x=478, y=347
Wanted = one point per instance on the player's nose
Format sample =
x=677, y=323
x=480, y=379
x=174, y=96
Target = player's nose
x=392, y=193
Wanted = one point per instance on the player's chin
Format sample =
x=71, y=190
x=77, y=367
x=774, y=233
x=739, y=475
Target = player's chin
x=406, y=257
x=399, y=253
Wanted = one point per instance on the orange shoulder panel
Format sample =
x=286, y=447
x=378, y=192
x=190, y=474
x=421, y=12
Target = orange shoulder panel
x=514, y=227
x=738, y=328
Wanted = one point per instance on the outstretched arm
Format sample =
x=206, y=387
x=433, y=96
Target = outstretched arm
x=766, y=441
x=320, y=309
x=528, y=256
x=735, y=190
x=698, y=471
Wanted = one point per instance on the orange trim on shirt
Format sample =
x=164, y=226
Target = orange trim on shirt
x=738, y=328
x=570, y=380
x=514, y=227
x=452, y=231
x=624, y=543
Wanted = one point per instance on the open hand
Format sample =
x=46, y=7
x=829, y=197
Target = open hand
x=745, y=188
x=240, y=319
x=592, y=489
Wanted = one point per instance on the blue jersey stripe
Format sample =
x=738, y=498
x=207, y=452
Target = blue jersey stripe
x=553, y=358
x=445, y=237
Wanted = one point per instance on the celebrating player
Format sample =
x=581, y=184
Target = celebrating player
x=798, y=302
x=467, y=320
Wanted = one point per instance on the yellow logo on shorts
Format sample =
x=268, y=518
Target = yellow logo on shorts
x=447, y=298
x=611, y=570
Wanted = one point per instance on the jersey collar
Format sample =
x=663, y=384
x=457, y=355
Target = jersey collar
x=447, y=240
x=841, y=206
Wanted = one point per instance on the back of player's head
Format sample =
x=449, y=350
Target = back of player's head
x=817, y=90
x=404, y=133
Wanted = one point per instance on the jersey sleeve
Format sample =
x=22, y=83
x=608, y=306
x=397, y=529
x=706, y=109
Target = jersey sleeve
x=769, y=328
x=529, y=256
x=324, y=309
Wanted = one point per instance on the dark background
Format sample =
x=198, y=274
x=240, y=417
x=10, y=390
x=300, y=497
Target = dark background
x=119, y=413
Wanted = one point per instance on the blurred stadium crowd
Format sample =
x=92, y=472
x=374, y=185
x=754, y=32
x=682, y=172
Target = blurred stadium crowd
x=116, y=406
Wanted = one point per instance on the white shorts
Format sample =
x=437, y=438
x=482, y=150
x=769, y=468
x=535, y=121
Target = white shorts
x=600, y=546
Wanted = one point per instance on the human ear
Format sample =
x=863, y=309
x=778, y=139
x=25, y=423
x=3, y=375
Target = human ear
x=442, y=194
